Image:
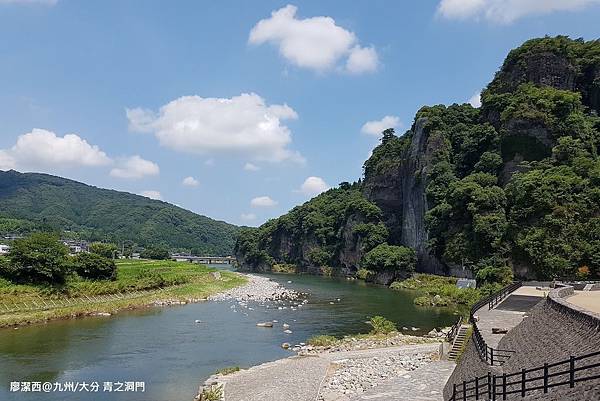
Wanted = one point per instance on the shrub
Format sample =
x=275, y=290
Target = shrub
x=94, y=267
x=39, y=258
x=322, y=341
x=147, y=278
x=363, y=274
x=381, y=325
x=228, y=370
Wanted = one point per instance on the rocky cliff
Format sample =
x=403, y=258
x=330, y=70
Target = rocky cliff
x=471, y=190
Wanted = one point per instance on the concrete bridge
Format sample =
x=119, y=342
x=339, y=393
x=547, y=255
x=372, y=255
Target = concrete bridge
x=227, y=260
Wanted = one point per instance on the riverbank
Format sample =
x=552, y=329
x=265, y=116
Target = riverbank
x=139, y=284
x=344, y=371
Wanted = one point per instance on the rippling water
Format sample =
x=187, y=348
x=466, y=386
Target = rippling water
x=172, y=354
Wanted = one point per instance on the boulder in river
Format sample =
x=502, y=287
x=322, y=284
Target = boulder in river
x=287, y=331
x=286, y=326
x=285, y=345
x=265, y=324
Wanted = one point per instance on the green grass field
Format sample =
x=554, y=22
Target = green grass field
x=152, y=280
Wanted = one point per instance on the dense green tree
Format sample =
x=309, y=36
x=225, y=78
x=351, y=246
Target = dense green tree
x=155, y=252
x=94, y=266
x=389, y=257
x=106, y=250
x=38, y=258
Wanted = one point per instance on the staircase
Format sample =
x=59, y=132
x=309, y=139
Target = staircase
x=458, y=343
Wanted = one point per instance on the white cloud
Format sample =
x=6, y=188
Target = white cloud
x=475, y=100
x=251, y=167
x=44, y=150
x=262, y=201
x=248, y=216
x=243, y=124
x=190, y=182
x=362, y=59
x=316, y=43
x=40, y=2
x=376, y=127
x=135, y=167
x=506, y=11
x=151, y=194
x=313, y=186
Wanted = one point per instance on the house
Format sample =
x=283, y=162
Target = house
x=4, y=249
x=76, y=246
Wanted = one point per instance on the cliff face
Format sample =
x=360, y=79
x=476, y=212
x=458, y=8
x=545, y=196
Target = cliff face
x=400, y=193
x=447, y=187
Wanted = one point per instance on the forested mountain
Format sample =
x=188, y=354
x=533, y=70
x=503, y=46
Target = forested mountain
x=31, y=201
x=514, y=184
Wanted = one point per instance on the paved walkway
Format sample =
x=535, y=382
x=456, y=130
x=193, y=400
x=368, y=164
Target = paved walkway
x=589, y=300
x=507, y=314
x=423, y=384
x=295, y=378
x=299, y=378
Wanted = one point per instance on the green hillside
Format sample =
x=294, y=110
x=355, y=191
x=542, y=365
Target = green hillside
x=31, y=201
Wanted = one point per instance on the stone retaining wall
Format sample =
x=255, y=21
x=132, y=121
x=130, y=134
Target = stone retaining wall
x=551, y=331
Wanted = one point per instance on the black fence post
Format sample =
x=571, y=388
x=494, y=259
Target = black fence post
x=489, y=385
x=454, y=392
x=545, y=378
x=464, y=390
x=491, y=356
x=476, y=387
x=523, y=382
x=494, y=387
x=504, y=386
x=572, y=371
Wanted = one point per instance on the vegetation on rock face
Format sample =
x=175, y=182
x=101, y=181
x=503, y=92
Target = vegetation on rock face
x=31, y=202
x=511, y=186
x=389, y=257
x=313, y=233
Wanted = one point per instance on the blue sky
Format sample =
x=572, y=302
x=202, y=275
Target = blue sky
x=140, y=95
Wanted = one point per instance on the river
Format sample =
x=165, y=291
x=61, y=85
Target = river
x=171, y=354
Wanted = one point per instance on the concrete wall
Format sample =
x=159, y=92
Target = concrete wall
x=552, y=331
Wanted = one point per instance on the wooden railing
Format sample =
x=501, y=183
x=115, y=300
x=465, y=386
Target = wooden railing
x=492, y=356
x=574, y=370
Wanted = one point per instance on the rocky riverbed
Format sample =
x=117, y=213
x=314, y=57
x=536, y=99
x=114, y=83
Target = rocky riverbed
x=357, y=375
x=258, y=289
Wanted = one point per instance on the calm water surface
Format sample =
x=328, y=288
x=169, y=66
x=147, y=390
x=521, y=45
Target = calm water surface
x=172, y=354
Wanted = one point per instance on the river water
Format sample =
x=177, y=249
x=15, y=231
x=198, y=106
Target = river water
x=172, y=355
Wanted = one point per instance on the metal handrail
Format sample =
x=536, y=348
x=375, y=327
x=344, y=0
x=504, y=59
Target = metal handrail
x=454, y=330
x=492, y=356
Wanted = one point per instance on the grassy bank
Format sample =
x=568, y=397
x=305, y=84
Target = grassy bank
x=138, y=283
x=442, y=291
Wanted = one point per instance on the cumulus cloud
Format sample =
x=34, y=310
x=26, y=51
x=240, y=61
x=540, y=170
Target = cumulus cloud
x=251, y=167
x=316, y=43
x=44, y=150
x=151, y=194
x=190, y=182
x=262, y=201
x=248, y=216
x=506, y=11
x=134, y=167
x=243, y=124
x=475, y=100
x=313, y=186
x=376, y=127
